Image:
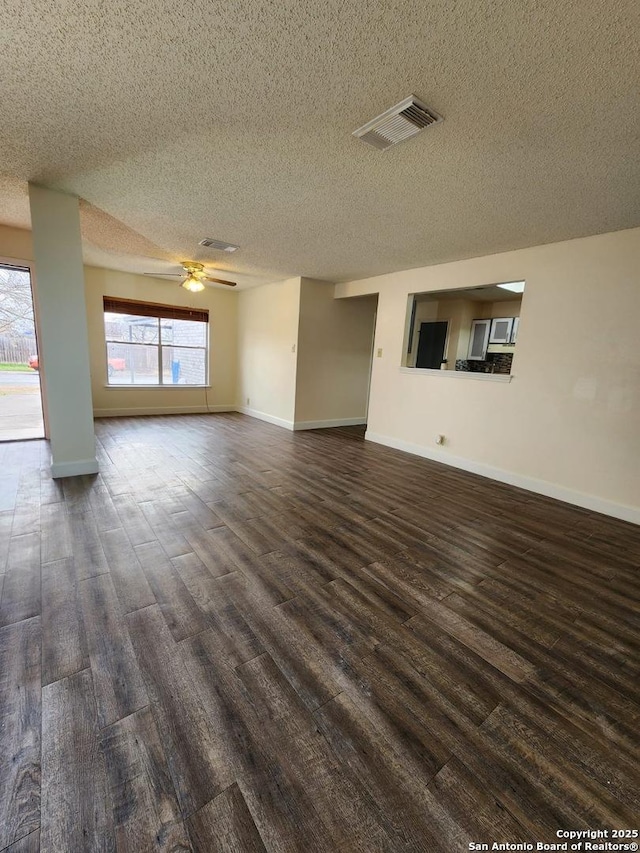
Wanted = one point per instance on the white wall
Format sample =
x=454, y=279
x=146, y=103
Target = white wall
x=119, y=400
x=304, y=357
x=267, y=350
x=568, y=424
x=335, y=338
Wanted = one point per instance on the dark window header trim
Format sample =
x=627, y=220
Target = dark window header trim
x=117, y=305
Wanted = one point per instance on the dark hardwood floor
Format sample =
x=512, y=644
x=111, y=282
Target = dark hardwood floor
x=237, y=638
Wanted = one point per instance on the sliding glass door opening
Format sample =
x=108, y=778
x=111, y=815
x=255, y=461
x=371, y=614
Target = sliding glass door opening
x=20, y=398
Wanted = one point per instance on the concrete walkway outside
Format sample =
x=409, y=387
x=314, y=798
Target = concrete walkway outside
x=20, y=407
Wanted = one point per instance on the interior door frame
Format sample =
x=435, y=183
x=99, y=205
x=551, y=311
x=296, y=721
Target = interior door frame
x=373, y=345
x=28, y=265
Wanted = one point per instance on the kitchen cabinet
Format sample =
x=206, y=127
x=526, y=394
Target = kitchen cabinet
x=479, y=340
x=501, y=330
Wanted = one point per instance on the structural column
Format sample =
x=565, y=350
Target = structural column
x=62, y=324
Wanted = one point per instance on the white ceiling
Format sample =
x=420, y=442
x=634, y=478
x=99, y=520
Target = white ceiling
x=233, y=120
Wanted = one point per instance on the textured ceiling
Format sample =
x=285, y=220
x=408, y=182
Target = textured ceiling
x=233, y=120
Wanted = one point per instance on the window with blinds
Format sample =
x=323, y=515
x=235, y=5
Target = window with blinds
x=149, y=343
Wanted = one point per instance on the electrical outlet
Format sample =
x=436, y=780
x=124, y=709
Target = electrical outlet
x=248, y=401
x=293, y=348
x=379, y=352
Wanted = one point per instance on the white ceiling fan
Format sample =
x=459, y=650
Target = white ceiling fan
x=194, y=275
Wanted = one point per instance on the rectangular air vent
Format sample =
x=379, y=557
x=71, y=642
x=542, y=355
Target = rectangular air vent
x=210, y=243
x=398, y=123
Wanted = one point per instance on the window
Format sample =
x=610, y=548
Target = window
x=151, y=344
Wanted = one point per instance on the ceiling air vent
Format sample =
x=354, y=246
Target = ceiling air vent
x=395, y=125
x=210, y=243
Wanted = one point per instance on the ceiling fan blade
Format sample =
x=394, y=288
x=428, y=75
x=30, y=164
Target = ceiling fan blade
x=165, y=274
x=220, y=281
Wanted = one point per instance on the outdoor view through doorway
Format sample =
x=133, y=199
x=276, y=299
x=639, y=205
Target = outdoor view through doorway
x=20, y=399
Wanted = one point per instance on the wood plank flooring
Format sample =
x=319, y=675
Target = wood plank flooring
x=237, y=638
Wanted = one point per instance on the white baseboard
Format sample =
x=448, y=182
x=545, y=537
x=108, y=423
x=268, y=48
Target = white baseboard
x=75, y=468
x=263, y=416
x=326, y=424
x=531, y=484
x=164, y=410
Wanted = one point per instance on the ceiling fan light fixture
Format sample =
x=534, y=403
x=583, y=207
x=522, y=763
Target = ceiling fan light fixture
x=193, y=284
x=194, y=276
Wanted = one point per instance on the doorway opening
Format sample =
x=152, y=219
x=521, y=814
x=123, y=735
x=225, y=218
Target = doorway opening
x=373, y=306
x=21, y=415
